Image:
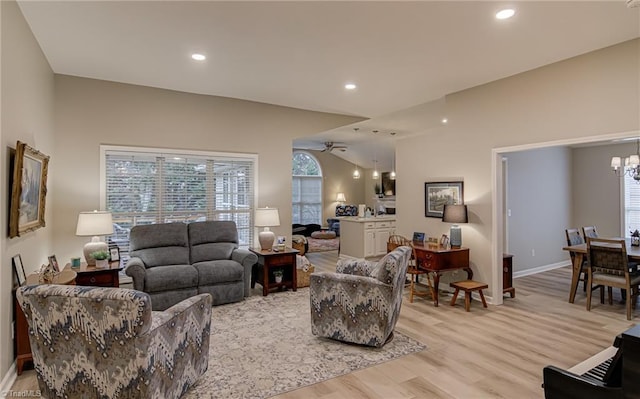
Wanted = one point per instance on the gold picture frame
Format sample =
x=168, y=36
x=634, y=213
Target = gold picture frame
x=28, y=190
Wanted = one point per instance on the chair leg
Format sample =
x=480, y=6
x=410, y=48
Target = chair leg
x=589, y=291
x=411, y=288
x=484, y=302
x=467, y=300
x=629, y=303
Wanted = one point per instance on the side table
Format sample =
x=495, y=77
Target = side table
x=268, y=261
x=99, y=277
x=22, y=345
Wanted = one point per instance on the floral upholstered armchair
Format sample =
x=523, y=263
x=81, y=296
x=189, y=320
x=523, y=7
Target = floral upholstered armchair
x=360, y=303
x=92, y=342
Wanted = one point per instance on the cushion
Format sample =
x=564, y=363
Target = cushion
x=323, y=234
x=160, y=244
x=172, y=277
x=219, y=271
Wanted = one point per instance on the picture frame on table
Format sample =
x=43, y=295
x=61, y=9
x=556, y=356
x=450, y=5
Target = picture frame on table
x=28, y=190
x=439, y=194
x=418, y=237
x=19, y=269
x=53, y=261
x=444, y=241
x=114, y=253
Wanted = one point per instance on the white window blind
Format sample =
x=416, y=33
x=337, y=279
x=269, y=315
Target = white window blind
x=147, y=187
x=306, y=187
x=631, y=205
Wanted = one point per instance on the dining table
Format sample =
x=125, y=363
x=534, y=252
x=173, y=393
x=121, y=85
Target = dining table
x=580, y=252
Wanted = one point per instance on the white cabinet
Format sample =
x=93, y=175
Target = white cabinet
x=365, y=237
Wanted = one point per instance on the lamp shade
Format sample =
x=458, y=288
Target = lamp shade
x=340, y=197
x=455, y=214
x=267, y=217
x=96, y=223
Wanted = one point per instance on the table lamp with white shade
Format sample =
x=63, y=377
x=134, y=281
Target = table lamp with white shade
x=94, y=224
x=267, y=217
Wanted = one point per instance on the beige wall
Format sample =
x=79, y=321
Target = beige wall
x=27, y=115
x=589, y=95
x=93, y=112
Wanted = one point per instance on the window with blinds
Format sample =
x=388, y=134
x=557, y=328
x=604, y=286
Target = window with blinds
x=306, y=187
x=147, y=187
x=631, y=205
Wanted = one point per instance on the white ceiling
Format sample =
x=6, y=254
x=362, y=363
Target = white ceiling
x=301, y=53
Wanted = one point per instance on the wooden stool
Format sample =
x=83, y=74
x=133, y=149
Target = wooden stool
x=468, y=286
x=415, y=272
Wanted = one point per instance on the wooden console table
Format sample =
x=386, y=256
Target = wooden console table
x=22, y=345
x=437, y=260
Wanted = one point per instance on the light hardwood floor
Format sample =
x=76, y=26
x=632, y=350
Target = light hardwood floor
x=497, y=352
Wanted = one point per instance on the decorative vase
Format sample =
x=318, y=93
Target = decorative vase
x=102, y=263
x=635, y=241
x=278, y=278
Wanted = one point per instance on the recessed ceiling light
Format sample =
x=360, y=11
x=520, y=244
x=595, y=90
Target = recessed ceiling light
x=198, y=57
x=506, y=13
x=444, y=121
x=350, y=86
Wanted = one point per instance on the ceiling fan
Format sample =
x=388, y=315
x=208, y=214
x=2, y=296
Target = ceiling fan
x=330, y=146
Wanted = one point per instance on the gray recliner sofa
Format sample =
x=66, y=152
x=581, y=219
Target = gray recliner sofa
x=175, y=261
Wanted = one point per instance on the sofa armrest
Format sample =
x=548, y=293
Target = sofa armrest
x=357, y=267
x=561, y=384
x=137, y=271
x=247, y=259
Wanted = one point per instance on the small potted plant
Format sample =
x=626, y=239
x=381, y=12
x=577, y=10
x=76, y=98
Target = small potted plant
x=277, y=275
x=635, y=238
x=102, y=259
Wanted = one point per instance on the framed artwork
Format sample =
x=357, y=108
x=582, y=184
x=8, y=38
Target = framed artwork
x=439, y=194
x=114, y=253
x=54, y=263
x=19, y=268
x=28, y=190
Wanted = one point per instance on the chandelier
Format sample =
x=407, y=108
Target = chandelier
x=631, y=165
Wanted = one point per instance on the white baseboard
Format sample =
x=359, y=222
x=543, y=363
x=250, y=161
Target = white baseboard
x=541, y=269
x=9, y=379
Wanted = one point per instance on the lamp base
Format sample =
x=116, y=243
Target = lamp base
x=92, y=246
x=266, y=239
x=455, y=236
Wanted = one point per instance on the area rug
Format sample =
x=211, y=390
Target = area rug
x=323, y=245
x=263, y=346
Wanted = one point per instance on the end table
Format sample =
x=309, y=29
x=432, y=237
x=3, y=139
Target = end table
x=268, y=262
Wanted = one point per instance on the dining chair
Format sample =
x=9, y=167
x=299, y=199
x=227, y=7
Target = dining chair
x=589, y=231
x=396, y=241
x=574, y=238
x=609, y=266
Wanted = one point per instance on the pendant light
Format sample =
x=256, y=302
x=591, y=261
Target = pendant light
x=356, y=173
x=375, y=175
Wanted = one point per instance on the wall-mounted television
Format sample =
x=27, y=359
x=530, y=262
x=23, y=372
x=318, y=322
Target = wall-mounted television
x=388, y=185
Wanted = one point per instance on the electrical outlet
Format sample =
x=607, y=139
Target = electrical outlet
x=533, y=252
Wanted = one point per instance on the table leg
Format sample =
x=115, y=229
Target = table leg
x=265, y=279
x=294, y=283
x=575, y=276
x=436, y=283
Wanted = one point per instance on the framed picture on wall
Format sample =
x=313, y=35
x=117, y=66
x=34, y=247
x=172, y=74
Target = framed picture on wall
x=439, y=194
x=28, y=190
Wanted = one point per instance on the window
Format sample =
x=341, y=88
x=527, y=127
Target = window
x=147, y=186
x=631, y=205
x=306, y=189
